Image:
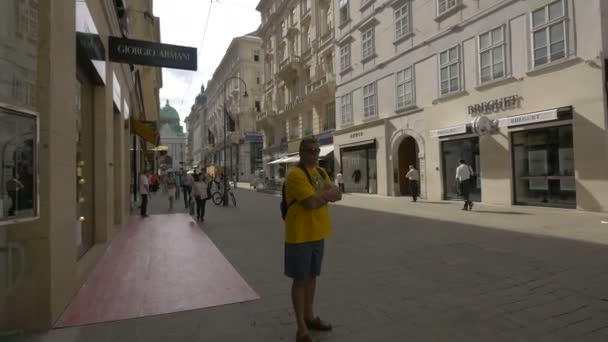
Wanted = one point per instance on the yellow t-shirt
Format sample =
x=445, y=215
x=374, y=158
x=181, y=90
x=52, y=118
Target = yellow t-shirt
x=302, y=224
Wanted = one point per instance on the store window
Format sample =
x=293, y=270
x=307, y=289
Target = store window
x=543, y=166
x=359, y=168
x=453, y=151
x=18, y=185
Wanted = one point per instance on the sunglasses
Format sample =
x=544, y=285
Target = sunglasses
x=312, y=150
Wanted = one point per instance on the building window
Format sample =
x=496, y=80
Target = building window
x=444, y=6
x=258, y=106
x=307, y=124
x=257, y=80
x=449, y=66
x=344, y=11
x=405, y=88
x=18, y=187
x=492, y=55
x=368, y=43
x=370, y=100
x=402, y=21
x=549, y=33
x=256, y=56
x=344, y=57
x=330, y=117
x=544, y=167
x=295, y=128
x=346, y=102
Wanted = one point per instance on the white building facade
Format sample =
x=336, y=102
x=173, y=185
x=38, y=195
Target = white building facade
x=227, y=109
x=515, y=88
x=299, y=80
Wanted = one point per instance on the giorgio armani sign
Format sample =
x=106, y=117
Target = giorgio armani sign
x=149, y=53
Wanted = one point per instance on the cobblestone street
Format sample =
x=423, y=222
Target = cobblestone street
x=396, y=277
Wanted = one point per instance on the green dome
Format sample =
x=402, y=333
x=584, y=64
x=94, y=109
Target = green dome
x=168, y=113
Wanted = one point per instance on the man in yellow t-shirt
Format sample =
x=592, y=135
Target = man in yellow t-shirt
x=308, y=189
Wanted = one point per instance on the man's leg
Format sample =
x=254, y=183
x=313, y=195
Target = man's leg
x=310, y=285
x=13, y=196
x=185, y=196
x=144, y=205
x=299, y=298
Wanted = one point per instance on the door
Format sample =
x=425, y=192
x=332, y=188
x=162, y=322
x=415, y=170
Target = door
x=408, y=155
x=453, y=151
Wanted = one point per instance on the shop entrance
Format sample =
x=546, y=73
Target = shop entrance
x=408, y=155
x=453, y=151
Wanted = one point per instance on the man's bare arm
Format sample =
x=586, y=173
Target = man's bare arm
x=320, y=198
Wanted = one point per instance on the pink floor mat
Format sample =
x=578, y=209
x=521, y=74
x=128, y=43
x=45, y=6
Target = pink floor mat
x=157, y=265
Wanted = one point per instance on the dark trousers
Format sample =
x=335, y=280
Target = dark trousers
x=414, y=189
x=200, y=207
x=144, y=204
x=187, y=192
x=13, y=196
x=341, y=187
x=465, y=192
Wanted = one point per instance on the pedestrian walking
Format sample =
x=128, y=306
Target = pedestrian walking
x=178, y=183
x=144, y=191
x=199, y=192
x=187, y=189
x=414, y=179
x=170, y=186
x=340, y=181
x=308, y=189
x=13, y=186
x=464, y=173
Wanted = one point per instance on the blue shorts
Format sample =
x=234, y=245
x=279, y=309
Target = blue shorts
x=303, y=260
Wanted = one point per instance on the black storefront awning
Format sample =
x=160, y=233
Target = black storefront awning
x=359, y=143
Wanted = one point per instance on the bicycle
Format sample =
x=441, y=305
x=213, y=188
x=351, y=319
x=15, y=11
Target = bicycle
x=218, y=198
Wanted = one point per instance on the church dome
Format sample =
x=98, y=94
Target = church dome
x=168, y=113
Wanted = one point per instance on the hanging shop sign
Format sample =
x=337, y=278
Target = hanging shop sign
x=493, y=106
x=142, y=52
x=146, y=130
x=254, y=137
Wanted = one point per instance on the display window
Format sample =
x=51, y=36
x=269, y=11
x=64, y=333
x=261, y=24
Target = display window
x=359, y=168
x=543, y=167
x=18, y=165
x=453, y=151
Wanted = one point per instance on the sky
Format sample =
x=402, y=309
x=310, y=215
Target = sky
x=185, y=25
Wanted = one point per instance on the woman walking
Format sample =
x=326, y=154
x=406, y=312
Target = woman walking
x=199, y=191
x=171, y=185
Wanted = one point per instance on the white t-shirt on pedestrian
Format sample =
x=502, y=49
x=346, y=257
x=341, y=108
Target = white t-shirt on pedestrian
x=413, y=175
x=463, y=172
x=144, y=185
x=339, y=178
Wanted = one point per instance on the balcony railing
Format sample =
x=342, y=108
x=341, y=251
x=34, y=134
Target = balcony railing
x=289, y=66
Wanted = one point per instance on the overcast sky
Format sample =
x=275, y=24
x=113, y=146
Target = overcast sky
x=182, y=22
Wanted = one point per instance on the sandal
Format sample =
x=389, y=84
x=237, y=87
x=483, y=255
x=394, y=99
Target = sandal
x=317, y=324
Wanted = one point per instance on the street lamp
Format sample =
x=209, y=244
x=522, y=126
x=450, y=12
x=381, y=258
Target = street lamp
x=225, y=194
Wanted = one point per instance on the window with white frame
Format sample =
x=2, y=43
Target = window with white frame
x=346, y=103
x=367, y=39
x=344, y=57
x=549, y=33
x=295, y=128
x=449, y=69
x=444, y=6
x=370, y=100
x=402, y=21
x=344, y=11
x=307, y=124
x=492, y=53
x=405, y=88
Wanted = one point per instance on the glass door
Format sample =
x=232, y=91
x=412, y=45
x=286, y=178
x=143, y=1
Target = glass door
x=453, y=151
